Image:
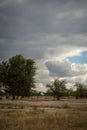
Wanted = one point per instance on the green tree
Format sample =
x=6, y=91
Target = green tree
x=57, y=88
x=48, y=92
x=70, y=92
x=81, y=90
x=17, y=75
x=3, y=73
x=36, y=93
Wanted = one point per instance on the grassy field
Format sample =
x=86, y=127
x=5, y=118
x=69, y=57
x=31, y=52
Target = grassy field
x=66, y=114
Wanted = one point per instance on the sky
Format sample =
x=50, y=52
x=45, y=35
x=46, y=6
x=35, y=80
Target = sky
x=52, y=32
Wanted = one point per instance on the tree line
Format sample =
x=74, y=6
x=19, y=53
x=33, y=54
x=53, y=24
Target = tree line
x=17, y=78
x=58, y=88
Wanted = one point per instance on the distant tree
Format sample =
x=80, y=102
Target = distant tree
x=57, y=88
x=81, y=90
x=36, y=93
x=70, y=92
x=48, y=92
x=17, y=75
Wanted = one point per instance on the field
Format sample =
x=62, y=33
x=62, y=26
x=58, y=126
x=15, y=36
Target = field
x=43, y=114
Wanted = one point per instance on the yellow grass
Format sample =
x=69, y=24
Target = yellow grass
x=68, y=116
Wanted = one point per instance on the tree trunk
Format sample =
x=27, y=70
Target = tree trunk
x=58, y=98
x=13, y=97
x=22, y=97
x=17, y=97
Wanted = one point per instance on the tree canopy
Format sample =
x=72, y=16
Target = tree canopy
x=57, y=88
x=81, y=90
x=17, y=75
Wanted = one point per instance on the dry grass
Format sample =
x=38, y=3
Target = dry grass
x=65, y=117
x=40, y=120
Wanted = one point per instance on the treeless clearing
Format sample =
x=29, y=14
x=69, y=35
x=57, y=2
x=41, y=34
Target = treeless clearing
x=34, y=102
x=66, y=114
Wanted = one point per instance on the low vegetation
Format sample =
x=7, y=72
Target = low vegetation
x=46, y=115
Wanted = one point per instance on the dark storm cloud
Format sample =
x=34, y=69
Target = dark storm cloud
x=59, y=69
x=25, y=24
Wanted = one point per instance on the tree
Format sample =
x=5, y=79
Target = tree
x=48, y=93
x=36, y=93
x=70, y=92
x=57, y=88
x=17, y=75
x=81, y=90
x=3, y=73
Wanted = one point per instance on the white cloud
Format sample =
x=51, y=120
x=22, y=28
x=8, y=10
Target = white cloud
x=65, y=68
x=40, y=87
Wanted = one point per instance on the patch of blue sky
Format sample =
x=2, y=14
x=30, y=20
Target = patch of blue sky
x=82, y=59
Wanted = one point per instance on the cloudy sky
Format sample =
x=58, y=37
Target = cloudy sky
x=53, y=32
